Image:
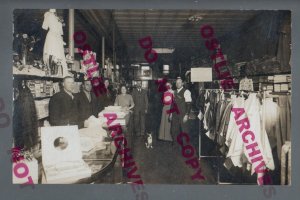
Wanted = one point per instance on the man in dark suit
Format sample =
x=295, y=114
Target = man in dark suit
x=140, y=100
x=180, y=115
x=108, y=98
x=87, y=102
x=63, y=105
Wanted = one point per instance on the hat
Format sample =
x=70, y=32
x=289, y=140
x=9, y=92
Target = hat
x=179, y=78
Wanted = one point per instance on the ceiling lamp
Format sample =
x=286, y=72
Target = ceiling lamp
x=164, y=50
x=195, y=18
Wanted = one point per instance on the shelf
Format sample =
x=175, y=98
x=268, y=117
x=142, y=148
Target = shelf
x=31, y=77
x=258, y=75
x=282, y=82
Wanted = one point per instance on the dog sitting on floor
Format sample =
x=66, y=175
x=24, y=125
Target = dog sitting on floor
x=149, y=141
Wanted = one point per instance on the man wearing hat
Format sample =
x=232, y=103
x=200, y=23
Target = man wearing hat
x=182, y=100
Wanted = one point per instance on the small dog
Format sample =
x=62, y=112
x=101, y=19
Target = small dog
x=149, y=141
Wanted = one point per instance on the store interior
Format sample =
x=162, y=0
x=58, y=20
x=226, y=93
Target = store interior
x=257, y=47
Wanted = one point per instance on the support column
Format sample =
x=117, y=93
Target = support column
x=103, y=53
x=114, y=54
x=71, y=32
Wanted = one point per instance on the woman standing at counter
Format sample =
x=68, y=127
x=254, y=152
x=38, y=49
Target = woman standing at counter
x=124, y=99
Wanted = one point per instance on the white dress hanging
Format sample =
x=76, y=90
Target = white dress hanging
x=54, y=44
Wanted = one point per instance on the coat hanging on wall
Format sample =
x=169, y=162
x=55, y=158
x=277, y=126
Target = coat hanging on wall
x=25, y=122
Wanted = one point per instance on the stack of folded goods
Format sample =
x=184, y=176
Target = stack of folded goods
x=284, y=87
x=282, y=83
x=118, y=110
x=276, y=87
x=280, y=78
x=92, y=139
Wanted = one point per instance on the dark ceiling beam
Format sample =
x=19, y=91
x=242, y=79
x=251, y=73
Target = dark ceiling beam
x=121, y=45
x=99, y=24
x=179, y=19
x=171, y=25
x=85, y=23
x=187, y=12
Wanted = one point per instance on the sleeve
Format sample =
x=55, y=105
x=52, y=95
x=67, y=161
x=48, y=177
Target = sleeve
x=133, y=95
x=117, y=101
x=46, y=21
x=187, y=96
x=131, y=101
x=54, y=111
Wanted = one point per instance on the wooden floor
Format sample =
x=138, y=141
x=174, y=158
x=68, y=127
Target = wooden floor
x=164, y=164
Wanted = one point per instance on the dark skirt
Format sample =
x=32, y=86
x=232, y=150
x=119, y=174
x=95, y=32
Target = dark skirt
x=165, y=125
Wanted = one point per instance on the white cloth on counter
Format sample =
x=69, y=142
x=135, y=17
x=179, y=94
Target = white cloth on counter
x=122, y=115
x=92, y=138
x=118, y=110
x=92, y=121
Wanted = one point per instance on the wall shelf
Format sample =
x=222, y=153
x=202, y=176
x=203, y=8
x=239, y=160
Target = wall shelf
x=32, y=77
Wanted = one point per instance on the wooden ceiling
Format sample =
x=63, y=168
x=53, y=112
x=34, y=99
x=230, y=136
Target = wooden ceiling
x=168, y=28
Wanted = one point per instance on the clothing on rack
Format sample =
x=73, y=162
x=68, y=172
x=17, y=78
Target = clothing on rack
x=210, y=114
x=221, y=126
x=283, y=126
x=271, y=118
x=215, y=106
x=234, y=140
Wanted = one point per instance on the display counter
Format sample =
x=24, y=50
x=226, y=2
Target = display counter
x=98, y=152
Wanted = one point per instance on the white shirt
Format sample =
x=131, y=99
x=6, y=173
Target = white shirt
x=187, y=94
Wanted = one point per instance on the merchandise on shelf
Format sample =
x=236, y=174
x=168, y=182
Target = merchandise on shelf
x=40, y=88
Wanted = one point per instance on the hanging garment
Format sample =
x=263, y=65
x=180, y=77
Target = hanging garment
x=54, y=44
x=210, y=115
x=271, y=118
x=25, y=122
x=283, y=127
x=234, y=139
x=200, y=103
x=220, y=112
x=224, y=121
